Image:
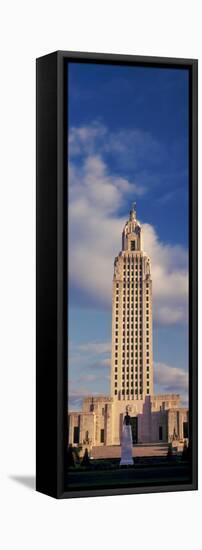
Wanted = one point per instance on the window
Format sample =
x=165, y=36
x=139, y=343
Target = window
x=132, y=245
x=185, y=430
x=102, y=436
x=76, y=434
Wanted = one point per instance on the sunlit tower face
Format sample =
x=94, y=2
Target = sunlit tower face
x=132, y=361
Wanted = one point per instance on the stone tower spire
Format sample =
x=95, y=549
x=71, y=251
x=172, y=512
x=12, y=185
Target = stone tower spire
x=133, y=211
x=132, y=233
x=132, y=360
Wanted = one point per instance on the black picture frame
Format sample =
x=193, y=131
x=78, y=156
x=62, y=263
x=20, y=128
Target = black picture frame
x=52, y=269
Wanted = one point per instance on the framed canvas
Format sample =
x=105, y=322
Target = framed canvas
x=116, y=373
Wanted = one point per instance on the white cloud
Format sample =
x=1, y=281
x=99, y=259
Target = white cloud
x=92, y=362
x=131, y=147
x=94, y=348
x=169, y=379
x=95, y=231
x=170, y=278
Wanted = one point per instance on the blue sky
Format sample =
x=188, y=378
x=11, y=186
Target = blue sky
x=128, y=140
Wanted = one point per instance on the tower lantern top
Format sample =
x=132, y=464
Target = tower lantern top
x=131, y=235
x=133, y=214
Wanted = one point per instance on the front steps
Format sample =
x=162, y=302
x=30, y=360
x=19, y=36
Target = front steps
x=139, y=450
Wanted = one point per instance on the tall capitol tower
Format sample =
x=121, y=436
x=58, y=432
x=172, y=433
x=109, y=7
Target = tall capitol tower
x=132, y=359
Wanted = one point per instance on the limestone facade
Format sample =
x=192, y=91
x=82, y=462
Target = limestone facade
x=157, y=418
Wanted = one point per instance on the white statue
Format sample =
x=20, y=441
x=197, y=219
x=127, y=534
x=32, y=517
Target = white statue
x=126, y=443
